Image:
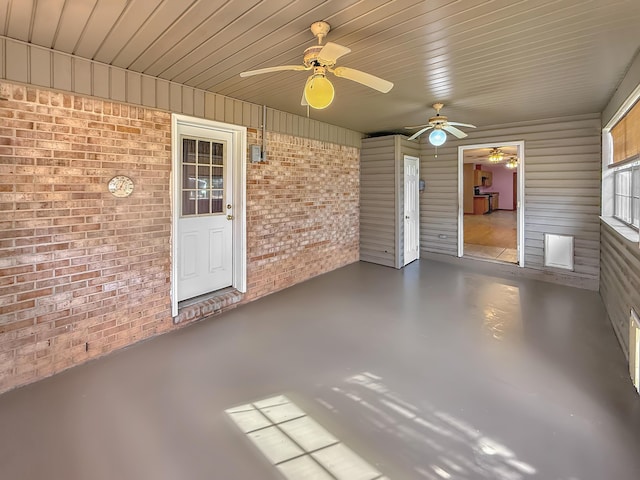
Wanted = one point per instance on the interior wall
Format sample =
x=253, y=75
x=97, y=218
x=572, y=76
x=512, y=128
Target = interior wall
x=83, y=273
x=502, y=182
x=561, y=194
x=619, y=281
x=620, y=256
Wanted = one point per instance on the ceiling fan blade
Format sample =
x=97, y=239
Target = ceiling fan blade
x=420, y=132
x=332, y=52
x=418, y=126
x=273, y=69
x=454, y=131
x=462, y=124
x=303, y=100
x=367, y=79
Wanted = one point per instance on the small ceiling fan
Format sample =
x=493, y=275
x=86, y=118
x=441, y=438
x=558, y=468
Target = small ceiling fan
x=439, y=124
x=318, y=90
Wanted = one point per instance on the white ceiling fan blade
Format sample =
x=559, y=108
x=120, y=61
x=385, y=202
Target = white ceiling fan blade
x=332, y=52
x=454, y=131
x=273, y=69
x=364, y=78
x=462, y=124
x=303, y=100
x=418, y=126
x=420, y=132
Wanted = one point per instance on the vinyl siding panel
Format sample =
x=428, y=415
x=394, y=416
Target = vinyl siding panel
x=378, y=200
x=58, y=70
x=619, y=280
x=439, y=202
x=382, y=198
x=561, y=195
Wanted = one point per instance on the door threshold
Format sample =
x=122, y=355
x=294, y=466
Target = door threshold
x=206, y=305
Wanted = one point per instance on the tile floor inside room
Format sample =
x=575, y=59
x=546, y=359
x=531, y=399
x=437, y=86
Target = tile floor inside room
x=431, y=372
x=491, y=236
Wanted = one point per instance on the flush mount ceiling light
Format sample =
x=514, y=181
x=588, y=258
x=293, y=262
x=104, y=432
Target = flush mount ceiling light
x=512, y=163
x=496, y=155
x=318, y=91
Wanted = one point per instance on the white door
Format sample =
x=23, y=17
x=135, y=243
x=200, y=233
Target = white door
x=411, y=209
x=205, y=224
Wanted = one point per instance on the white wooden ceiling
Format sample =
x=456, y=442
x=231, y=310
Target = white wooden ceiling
x=489, y=62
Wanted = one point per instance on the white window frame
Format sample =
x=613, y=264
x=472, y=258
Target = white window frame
x=633, y=207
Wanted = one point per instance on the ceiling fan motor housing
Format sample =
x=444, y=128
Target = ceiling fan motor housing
x=311, y=56
x=438, y=120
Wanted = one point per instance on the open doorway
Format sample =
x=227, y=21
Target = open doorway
x=490, y=217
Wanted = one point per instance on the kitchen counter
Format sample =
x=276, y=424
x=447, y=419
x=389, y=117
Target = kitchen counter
x=485, y=202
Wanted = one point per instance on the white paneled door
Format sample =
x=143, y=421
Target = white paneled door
x=411, y=209
x=205, y=225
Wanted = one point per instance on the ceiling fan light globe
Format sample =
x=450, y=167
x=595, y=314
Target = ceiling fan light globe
x=319, y=92
x=437, y=137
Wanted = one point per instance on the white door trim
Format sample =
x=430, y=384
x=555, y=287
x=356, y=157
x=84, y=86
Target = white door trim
x=520, y=200
x=239, y=171
x=416, y=220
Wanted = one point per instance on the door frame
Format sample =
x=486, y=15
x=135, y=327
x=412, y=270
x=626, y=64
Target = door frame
x=238, y=169
x=520, y=194
x=404, y=197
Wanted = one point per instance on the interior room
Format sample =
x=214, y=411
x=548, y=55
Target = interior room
x=329, y=240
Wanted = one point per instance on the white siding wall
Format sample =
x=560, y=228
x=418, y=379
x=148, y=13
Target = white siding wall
x=619, y=281
x=382, y=198
x=619, y=257
x=378, y=200
x=30, y=64
x=562, y=191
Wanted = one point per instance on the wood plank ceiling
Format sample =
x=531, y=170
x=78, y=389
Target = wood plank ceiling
x=489, y=62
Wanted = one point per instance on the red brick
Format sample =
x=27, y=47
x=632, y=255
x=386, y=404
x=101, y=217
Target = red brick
x=112, y=256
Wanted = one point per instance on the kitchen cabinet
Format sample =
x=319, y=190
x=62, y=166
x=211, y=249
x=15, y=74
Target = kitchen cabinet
x=482, y=178
x=480, y=204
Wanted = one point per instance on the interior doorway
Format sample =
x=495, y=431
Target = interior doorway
x=491, y=208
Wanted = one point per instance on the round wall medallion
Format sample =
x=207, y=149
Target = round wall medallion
x=121, y=186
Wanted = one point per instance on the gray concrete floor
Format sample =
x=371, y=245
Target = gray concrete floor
x=434, y=372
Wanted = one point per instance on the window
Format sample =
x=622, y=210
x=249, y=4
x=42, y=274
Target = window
x=627, y=195
x=626, y=136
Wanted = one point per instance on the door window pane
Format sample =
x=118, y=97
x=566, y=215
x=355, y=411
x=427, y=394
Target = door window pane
x=216, y=201
x=202, y=177
x=189, y=151
x=188, y=203
x=217, y=154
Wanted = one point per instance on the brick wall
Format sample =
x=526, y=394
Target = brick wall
x=302, y=212
x=83, y=273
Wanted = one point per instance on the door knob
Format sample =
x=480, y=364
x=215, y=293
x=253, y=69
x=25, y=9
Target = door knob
x=228, y=206
x=229, y=217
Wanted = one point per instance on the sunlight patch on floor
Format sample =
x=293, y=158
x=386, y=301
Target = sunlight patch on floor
x=297, y=445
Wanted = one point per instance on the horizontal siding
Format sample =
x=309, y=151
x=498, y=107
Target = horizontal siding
x=439, y=202
x=377, y=201
x=562, y=172
x=619, y=281
x=34, y=65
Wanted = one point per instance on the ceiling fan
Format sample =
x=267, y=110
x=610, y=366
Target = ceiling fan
x=318, y=90
x=439, y=124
